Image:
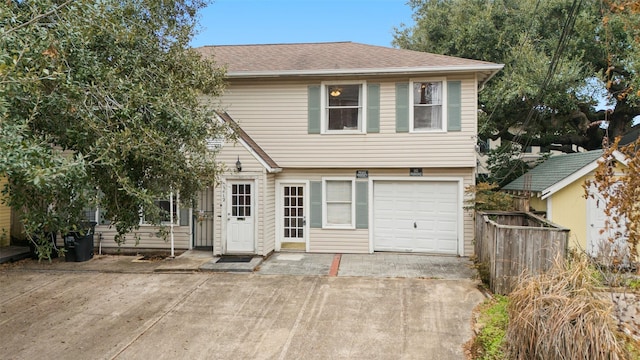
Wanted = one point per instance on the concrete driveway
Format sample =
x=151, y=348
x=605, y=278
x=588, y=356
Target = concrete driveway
x=101, y=315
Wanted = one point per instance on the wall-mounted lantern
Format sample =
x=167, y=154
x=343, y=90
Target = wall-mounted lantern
x=238, y=165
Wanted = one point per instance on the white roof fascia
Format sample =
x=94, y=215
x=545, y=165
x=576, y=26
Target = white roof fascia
x=260, y=159
x=578, y=174
x=252, y=152
x=494, y=68
x=621, y=158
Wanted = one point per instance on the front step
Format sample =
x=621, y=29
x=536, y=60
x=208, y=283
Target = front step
x=293, y=246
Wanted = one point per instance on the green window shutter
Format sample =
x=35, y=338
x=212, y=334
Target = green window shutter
x=402, y=107
x=315, y=211
x=314, y=111
x=184, y=217
x=373, y=108
x=362, y=205
x=454, y=111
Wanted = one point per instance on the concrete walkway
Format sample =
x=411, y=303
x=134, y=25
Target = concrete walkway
x=392, y=265
x=13, y=253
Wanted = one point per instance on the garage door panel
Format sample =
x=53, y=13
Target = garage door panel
x=418, y=216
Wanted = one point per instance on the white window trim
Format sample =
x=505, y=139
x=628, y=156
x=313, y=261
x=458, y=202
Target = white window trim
x=325, y=225
x=324, y=122
x=444, y=105
x=176, y=215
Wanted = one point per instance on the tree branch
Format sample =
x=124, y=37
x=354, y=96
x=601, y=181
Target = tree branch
x=38, y=17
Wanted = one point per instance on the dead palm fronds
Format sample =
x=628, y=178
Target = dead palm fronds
x=557, y=315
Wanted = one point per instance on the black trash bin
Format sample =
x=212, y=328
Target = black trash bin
x=79, y=245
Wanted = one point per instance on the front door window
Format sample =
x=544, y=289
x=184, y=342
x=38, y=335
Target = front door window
x=241, y=200
x=293, y=218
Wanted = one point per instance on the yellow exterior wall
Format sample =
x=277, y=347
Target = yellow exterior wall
x=5, y=219
x=569, y=209
x=537, y=204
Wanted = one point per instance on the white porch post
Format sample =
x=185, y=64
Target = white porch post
x=171, y=222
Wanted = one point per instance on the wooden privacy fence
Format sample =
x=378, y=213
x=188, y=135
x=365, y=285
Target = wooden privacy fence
x=508, y=243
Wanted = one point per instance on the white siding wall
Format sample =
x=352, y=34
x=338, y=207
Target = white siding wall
x=357, y=240
x=274, y=114
x=268, y=215
x=263, y=198
x=148, y=238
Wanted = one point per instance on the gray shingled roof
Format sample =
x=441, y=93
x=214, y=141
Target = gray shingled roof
x=339, y=57
x=554, y=170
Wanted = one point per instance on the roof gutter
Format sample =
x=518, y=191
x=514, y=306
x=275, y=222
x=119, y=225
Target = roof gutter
x=492, y=68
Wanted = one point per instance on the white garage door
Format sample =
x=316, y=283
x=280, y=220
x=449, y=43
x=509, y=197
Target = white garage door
x=418, y=216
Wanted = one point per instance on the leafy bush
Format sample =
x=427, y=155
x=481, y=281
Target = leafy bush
x=485, y=196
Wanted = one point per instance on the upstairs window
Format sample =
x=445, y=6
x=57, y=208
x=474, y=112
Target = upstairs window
x=344, y=107
x=427, y=110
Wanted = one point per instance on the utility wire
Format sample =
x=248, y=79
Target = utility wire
x=533, y=113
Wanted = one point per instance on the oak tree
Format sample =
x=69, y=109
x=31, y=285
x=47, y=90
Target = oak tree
x=562, y=58
x=99, y=105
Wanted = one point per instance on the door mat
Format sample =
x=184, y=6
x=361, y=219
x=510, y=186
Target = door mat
x=234, y=259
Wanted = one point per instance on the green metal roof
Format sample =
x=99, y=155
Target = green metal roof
x=554, y=170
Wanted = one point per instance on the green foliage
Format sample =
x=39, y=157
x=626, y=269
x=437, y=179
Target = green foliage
x=633, y=284
x=554, y=53
x=99, y=103
x=485, y=196
x=505, y=164
x=493, y=320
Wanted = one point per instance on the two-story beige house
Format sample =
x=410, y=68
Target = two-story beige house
x=343, y=147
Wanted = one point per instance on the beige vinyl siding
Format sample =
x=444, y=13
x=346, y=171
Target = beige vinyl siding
x=274, y=114
x=357, y=240
x=339, y=241
x=264, y=197
x=148, y=238
x=5, y=219
x=267, y=237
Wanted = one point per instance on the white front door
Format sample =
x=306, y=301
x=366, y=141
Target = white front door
x=292, y=215
x=240, y=217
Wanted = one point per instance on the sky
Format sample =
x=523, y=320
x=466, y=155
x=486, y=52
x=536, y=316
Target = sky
x=242, y=22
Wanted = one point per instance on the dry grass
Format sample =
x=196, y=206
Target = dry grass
x=557, y=315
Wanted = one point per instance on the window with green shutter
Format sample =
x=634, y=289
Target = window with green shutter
x=314, y=110
x=454, y=100
x=402, y=107
x=315, y=210
x=362, y=205
x=421, y=105
x=373, y=108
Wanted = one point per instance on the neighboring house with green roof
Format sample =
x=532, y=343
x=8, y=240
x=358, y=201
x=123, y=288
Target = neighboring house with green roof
x=556, y=187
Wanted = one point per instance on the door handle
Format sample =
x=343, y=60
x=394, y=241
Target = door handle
x=415, y=225
x=304, y=220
